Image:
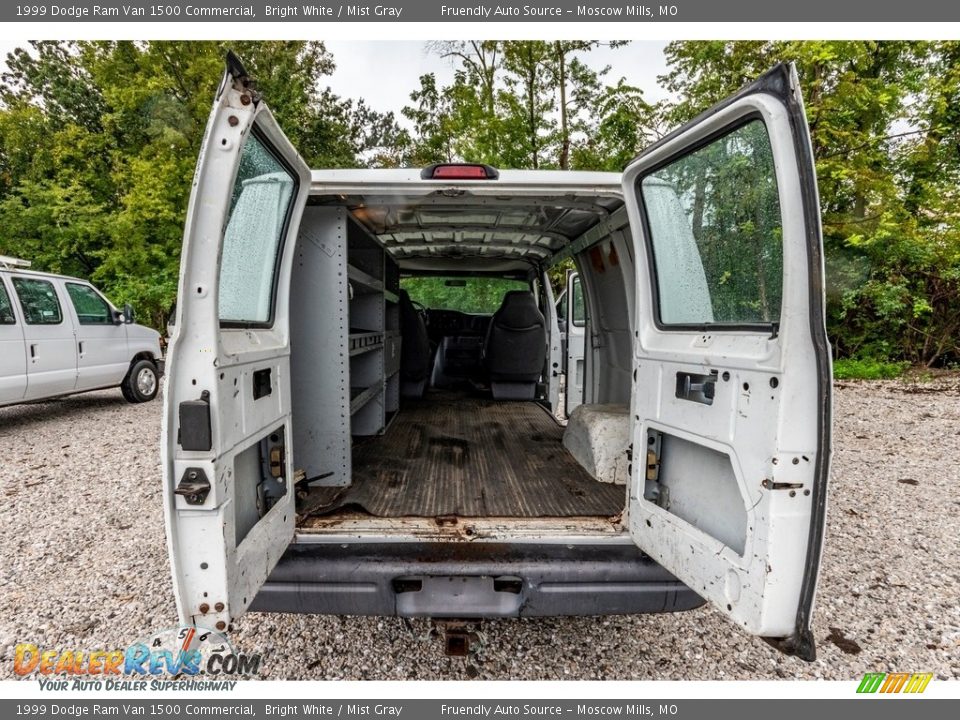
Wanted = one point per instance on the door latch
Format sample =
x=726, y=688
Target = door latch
x=697, y=388
x=193, y=486
x=277, y=461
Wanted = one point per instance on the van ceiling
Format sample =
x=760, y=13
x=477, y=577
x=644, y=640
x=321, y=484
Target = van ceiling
x=476, y=232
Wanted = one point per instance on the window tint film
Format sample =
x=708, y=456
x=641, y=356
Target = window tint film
x=475, y=295
x=251, y=243
x=6, y=309
x=39, y=301
x=91, y=308
x=715, y=230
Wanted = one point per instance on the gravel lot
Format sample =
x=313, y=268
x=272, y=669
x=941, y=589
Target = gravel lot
x=85, y=565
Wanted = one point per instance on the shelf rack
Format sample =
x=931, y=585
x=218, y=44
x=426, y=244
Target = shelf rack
x=345, y=342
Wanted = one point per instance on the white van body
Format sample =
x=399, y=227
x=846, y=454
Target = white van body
x=60, y=336
x=329, y=446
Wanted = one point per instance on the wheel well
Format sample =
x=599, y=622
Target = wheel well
x=137, y=358
x=141, y=356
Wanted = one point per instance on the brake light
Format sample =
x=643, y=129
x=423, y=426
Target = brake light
x=459, y=171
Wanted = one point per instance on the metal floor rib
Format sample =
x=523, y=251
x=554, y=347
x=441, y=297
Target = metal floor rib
x=472, y=457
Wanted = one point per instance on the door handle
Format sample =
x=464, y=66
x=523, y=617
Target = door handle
x=697, y=388
x=80, y=347
x=33, y=351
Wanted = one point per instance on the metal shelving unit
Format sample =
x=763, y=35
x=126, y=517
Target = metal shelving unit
x=345, y=342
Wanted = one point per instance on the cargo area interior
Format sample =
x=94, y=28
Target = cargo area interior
x=441, y=411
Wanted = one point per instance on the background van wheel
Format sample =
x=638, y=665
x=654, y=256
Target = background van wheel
x=141, y=383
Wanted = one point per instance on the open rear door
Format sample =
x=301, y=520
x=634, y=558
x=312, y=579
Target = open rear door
x=228, y=479
x=576, y=324
x=731, y=400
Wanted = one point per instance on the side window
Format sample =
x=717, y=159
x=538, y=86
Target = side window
x=579, y=315
x=91, y=308
x=38, y=300
x=251, y=244
x=6, y=308
x=715, y=232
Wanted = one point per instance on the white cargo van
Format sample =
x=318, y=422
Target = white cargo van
x=361, y=408
x=60, y=335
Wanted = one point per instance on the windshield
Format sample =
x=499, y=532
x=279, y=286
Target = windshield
x=476, y=295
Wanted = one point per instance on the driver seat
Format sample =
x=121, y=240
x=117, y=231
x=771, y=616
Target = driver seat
x=516, y=347
x=414, y=349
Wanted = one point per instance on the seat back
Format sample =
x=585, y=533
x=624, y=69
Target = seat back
x=516, y=343
x=415, y=343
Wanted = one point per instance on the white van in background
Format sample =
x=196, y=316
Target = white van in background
x=59, y=336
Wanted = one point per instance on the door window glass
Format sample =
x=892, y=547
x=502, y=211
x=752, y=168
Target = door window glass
x=91, y=308
x=6, y=309
x=258, y=218
x=716, y=233
x=39, y=301
x=579, y=309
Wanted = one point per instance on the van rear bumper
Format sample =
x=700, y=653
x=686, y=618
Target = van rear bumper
x=470, y=580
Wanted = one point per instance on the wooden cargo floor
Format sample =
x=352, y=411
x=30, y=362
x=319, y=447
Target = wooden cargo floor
x=452, y=454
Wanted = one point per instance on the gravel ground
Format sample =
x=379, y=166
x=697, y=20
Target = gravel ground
x=85, y=564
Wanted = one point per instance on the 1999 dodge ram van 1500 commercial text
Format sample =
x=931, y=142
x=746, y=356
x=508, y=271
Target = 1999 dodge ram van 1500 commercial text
x=361, y=413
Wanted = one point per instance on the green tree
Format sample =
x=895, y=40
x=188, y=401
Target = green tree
x=882, y=117
x=98, y=142
x=433, y=132
x=578, y=90
x=474, y=120
x=623, y=124
x=527, y=104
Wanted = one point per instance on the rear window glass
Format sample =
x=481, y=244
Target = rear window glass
x=251, y=243
x=474, y=295
x=6, y=309
x=39, y=301
x=716, y=232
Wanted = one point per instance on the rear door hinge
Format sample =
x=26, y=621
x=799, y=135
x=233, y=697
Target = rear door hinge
x=653, y=490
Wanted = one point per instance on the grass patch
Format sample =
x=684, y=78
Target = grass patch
x=860, y=369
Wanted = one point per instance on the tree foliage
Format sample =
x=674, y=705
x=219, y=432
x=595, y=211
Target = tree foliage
x=464, y=294
x=528, y=104
x=884, y=125
x=98, y=143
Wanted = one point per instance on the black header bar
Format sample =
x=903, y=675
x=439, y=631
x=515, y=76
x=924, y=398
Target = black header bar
x=466, y=11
